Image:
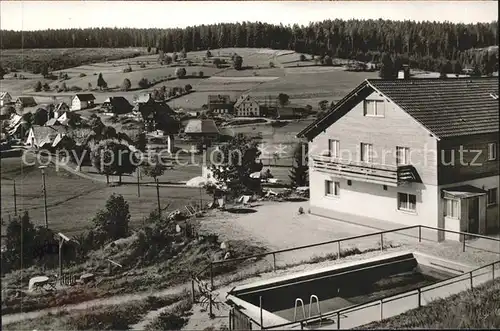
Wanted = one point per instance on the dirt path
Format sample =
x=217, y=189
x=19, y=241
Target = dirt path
x=114, y=300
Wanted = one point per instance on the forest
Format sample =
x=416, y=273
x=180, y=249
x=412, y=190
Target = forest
x=426, y=45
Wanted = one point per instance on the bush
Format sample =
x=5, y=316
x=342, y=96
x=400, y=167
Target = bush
x=82, y=75
x=200, y=74
x=129, y=69
x=271, y=64
x=75, y=88
x=302, y=57
x=144, y=83
x=188, y=88
x=38, y=86
x=180, y=72
x=143, y=65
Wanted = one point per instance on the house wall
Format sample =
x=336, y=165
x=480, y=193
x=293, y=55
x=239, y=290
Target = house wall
x=473, y=164
x=376, y=202
x=488, y=215
x=248, y=108
x=396, y=128
x=76, y=104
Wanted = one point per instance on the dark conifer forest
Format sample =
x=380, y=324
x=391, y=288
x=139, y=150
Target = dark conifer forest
x=426, y=45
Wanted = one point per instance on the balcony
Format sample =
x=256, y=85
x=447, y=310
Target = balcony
x=383, y=174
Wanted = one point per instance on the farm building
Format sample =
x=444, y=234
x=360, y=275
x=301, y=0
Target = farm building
x=23, y=102
x=60, y=109
x=5, y=98
x=201, y=129
x=246, y=106
x=117, y=105
x=82, y=101
x=394, y=146
x=45, y=136
x=158, y=116
x=220, y=104
x=290, y=111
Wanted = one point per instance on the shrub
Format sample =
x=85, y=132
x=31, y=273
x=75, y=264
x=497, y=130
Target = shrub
x=38, y=86
x=126, y=84
x=143, y=65
x=200, y=74
x=82, y=75
x=271, y=64
x=188, y=87
x=302, y=57
x=180, y=72
x=144, y=83
x=129, y=69
x=46, y=87
x=75, y=88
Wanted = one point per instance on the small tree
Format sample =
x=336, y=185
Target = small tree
x=168, y=59
x=19, y=242
x=217, y=62
x=141, y=141
x=180, y=72
x=208, y=54
x=300, y=171
x=387, y=67
x=112, y=222
x=175, y=57
x=302, y=57
x=101, y=83
x=323, y=105
x=38, y=86
x=154, y=167
x=149, y=49
x=200, y=74
x=188, y=88
x=183, y=54
x=111, y=157
x=443, y=72
x=238, y=62
x=44, y=70
x=2, y=72
x=271, y=64
x=283, y=99
x=89, y=86
x=126, y=84
x=161, y=56
x=144, y=83
x=46, y=87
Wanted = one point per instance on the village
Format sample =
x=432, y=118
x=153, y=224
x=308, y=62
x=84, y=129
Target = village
x=249, y=187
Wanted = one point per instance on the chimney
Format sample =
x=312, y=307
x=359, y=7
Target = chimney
x=404, y=73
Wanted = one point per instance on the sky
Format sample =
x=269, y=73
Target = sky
x=40, y=15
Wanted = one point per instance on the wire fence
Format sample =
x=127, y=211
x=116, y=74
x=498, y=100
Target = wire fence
x=418, y=235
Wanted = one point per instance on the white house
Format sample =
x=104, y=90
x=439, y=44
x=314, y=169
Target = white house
x=390, y=151
x=82, y=101
x=246, y=106
x=5, y=98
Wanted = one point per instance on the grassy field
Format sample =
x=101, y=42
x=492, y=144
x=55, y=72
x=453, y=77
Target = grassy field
x=477, y=309
x=73, y=201
x=304, y=82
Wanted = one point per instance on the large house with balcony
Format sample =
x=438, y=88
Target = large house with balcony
x=410, y=151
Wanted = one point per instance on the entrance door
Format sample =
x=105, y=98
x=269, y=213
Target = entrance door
x=474, y=215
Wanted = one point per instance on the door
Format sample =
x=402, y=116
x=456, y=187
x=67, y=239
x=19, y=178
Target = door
x=474, y=215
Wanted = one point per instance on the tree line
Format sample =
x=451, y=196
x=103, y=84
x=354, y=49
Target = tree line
x=423, y=43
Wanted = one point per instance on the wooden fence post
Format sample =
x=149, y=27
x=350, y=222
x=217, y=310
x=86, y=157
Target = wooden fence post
x=463, y=239
x=338, y=320
x=381, y=241
x=338, y=247
x=493, y=270
x=193, y=297
x=419, y=297
x=274, y=262
x=419, y=233
x=381, y=309
x=471, y=282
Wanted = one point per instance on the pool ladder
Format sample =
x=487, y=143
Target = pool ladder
x=311, y=298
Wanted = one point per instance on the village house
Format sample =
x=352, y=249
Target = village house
x=393, y=146
x=23, y=102
x=117, y=105
x=82, y=101
x=45, y=136
x=246, y=106
x=5, y=99
x=220, y=104
x=202, y=129
x=60, y=109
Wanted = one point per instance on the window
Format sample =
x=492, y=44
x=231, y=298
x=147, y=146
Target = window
x=366, y=152
x=332, y=188
x=334, y=148
x=374, y=108
x=492, y=151
x=492, y=196
x=349, y=182
x=451, y=208
x=407, y=202
x=402, y=155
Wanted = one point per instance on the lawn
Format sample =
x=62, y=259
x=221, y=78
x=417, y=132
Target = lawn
x=476, y=309
x=73, y=201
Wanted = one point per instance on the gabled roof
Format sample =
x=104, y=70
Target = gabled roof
x=3, y=95
x=46, y=134
x=61, y=106
x=144, y=98
x=52, y=122
x=27, y=101
x=445, y=107
x=242, y=99
x=120, y=104
x=201, y=126
x=85, y=96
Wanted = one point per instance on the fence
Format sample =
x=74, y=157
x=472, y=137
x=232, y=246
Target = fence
x=340, y=248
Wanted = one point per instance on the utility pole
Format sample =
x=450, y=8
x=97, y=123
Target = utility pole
x=138, y=187
x=15, y=198
x=62, y=239
x=44, y=196
x=158, y=197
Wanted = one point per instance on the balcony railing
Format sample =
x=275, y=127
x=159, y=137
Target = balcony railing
x=384, y=174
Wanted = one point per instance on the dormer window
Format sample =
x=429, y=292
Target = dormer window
x=494, y=96
x=374, y=108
